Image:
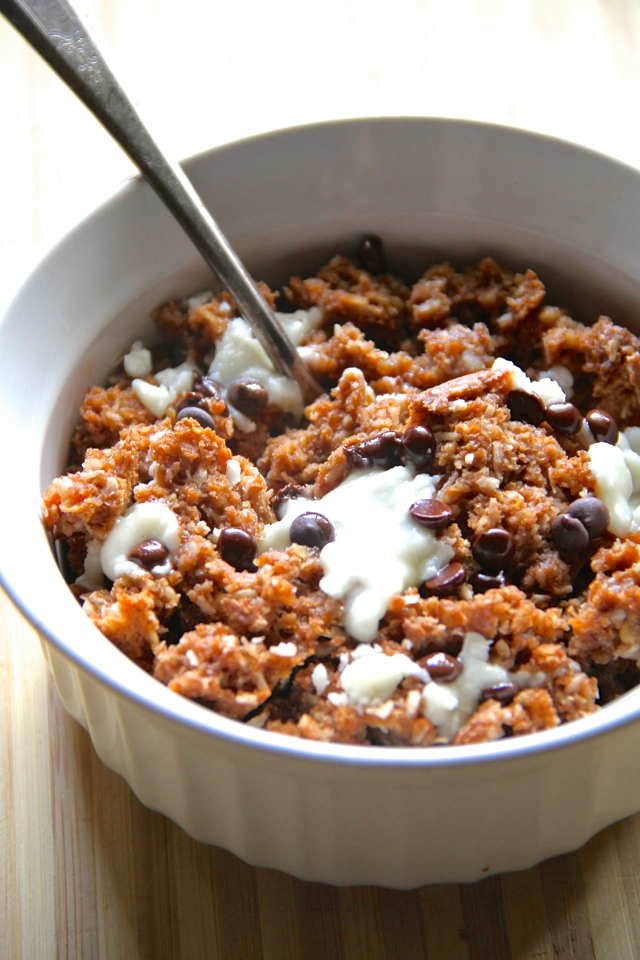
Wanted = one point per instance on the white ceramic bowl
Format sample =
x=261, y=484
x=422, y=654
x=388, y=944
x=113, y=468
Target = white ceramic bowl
x=432, y=189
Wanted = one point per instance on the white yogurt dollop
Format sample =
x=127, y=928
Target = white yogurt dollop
x=142, y=521
x=368, y=681
x=378, y=551
x=546, y=389
x=171, y=383
x=239, y=354
x=617, y=474
x=449, y=705
x=138, y=362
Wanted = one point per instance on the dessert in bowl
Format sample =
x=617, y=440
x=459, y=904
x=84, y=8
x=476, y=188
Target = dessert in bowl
x=310, y=803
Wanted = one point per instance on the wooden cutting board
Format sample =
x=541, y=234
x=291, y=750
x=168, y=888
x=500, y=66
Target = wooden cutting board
x=86, y=871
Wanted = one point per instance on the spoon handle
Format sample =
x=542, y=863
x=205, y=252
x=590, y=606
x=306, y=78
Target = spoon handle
x=61, y=36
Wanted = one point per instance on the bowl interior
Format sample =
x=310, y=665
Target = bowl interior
x=288, y=201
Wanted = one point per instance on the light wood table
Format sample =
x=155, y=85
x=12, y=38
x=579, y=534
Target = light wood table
x=86, y=871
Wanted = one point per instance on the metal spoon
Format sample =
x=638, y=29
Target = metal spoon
x=61, y=36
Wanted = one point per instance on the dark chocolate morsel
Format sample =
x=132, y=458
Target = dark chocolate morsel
x=237, y=547
x=563, y=417
x=569, y=534
x=447, y=580
x=432, y=514
x=591, y=512
x=148, y=554
x=525, y=407
x=248, y=396
x=191, y=399
x=311, y=530
x=441, y=667
x=418, y=447
x=209, y=387
x=371, y=254
x=199, y=415
x=382, y=451
x=502, y=692
x=481, y=582
x=603, y=427
x=494, y=549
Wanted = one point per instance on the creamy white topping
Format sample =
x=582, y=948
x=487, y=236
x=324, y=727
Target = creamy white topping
x=198, y=300
x=320, y=678
x=368, y=681
x=171, y=383
x=547, y=389
x=617, y=474
x=138, y=362
x=239, y=354
x=142, y=521
x=92, y=578
x=449, y=705
x=561, y=375
x=378, y=551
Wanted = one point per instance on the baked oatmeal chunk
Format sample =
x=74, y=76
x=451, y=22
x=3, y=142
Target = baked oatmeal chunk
x=443, y=548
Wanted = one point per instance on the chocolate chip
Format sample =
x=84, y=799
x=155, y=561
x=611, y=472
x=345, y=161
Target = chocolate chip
x=432, y=514
x=356, y=458
x=481, y=582
x=563, y=417
x=591, y=512
x=199, y=415
x=441, y=667
x=603, y=427
x=311, y=530
x=447, y=580
x=502, y=692
x=418, y=447
x=569, y=534
x=290, y=492
x=237, y=547
x=149, y=554
x=525, y=407
x=371, y=254
x=191, y=399
x=494, y=549
x=248, y=396
x=209, y=387
x=382, y=451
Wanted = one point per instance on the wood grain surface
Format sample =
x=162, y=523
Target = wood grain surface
x=85, y=870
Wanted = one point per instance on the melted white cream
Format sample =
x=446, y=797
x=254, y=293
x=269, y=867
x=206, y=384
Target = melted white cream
x=239, y=354
x=449, y=705
x=198, y=300
x=92, y=578
x=617, y=474
x=138, y=362
x=142, y=521
x=378, y=551
x=548, y=390
x=172, y=382
x=561, y=375
x=371, y=680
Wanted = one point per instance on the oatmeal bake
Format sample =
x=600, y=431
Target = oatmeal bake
x=443, y=547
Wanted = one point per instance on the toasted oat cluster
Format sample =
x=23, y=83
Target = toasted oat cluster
x=441, y=548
